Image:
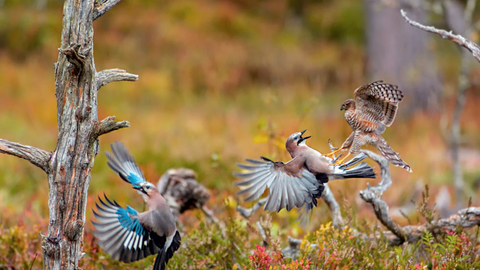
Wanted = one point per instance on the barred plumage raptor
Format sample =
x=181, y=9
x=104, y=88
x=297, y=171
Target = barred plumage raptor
x=369, y=114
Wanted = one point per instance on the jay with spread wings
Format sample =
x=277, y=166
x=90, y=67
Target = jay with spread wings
x=128, y=235
x=299, y=182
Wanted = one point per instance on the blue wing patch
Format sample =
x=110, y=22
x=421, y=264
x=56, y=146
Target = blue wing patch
x=135, y=180
x=121, y=234
x=124, y=164
x=131, y=224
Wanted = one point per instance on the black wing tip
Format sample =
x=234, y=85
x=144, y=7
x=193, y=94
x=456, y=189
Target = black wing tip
x=267, y=159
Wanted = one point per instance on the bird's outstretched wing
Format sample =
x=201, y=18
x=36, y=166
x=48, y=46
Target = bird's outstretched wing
x=290, y=184
x=124, y=164
x=122, y=235
x=378, y=102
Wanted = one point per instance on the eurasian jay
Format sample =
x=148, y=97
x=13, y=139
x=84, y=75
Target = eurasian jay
x=128, y=235
x=300, y=181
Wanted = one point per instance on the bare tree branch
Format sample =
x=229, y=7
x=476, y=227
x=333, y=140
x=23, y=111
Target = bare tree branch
x=108, y=125
x=247, y=212
x=465, y=218
x=103, y=8
x=107, y=76
x=36, y=156
x=460, y=40
x=329, y=199
x=372, y=195
x=396, y=235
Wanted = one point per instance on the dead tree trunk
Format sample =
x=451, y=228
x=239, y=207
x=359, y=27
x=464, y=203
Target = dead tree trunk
x=68, y=166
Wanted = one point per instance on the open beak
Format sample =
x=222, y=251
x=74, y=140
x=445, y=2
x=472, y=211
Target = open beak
x=343, y=107
x=302, y=138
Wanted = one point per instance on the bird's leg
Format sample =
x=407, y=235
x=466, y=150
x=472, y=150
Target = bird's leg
x=330, y=155
x=342, y=160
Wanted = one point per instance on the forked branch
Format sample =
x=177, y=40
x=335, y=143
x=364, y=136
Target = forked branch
x=36, y=156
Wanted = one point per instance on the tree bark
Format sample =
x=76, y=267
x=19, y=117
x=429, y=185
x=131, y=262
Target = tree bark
x=68, y=167
x=77, y=84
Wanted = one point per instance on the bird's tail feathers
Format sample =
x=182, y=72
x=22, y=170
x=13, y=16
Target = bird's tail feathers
x=363, y=170
x=167, y=252
x=392, y=156
x=353, y=161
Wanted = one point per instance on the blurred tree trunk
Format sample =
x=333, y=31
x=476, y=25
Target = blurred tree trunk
x=400, y=54
x=459, y=20
x=68, y=166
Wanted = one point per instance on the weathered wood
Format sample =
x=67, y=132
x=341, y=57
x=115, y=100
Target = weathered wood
x=103, y=8
x=73, y=157
x=36, y=156
x=69, y=165
x=108, y=125
x=114, y=75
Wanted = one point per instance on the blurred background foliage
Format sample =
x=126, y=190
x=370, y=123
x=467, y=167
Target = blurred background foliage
x=220, y=81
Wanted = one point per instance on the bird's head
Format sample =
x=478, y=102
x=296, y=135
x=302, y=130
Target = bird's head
x=146, y=188
x=295, y=140
x=347, y=104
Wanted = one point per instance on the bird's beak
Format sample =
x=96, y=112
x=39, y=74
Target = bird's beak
x=302, y=138
x=140, y=189
x=343, y=107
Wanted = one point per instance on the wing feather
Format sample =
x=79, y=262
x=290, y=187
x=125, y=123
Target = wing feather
x=378, y=102
x=290, y=184
x=121, y=233
x=121, y=162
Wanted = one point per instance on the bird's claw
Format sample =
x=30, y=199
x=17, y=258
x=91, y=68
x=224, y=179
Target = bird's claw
x=337, y=161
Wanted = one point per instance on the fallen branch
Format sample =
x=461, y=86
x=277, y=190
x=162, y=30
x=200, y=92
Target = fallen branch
x=397, y=235
x=465, y=218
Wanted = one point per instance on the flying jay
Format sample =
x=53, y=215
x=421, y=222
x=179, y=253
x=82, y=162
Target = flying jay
x=128, y=235
x=299, y=182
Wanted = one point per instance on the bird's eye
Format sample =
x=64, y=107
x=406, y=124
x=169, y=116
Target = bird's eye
x=147, y=187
